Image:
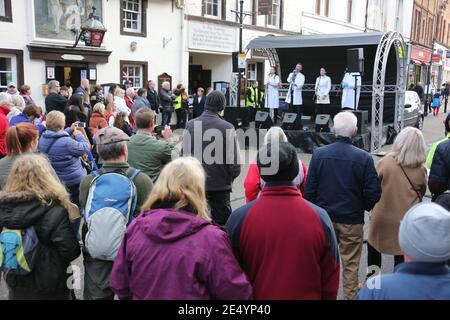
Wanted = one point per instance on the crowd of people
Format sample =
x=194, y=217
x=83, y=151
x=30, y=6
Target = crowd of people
x=151, y=223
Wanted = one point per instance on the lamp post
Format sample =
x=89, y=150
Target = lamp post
x=241, y=15
x=428, y=92
x=91, y=32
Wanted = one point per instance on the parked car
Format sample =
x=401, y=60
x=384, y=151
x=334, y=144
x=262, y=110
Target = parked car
x=413, y=110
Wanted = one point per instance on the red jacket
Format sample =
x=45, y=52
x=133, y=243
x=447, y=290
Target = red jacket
x=130, y=104
x=4, y=125
x=286, y=246
x=252, y=183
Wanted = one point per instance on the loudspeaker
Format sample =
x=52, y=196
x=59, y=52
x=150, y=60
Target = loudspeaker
x=235, y=58
x=323, y=123
x=363, y=121
x=355, y=60
x=291, y=121
x=231, y=115
x=263, y=120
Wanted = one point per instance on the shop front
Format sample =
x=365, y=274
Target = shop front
x=419, y=64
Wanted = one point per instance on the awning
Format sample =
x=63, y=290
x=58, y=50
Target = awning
x=320, y=40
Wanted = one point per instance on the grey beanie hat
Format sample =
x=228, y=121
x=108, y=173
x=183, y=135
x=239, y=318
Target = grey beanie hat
x=425, y=233
x=215, y=101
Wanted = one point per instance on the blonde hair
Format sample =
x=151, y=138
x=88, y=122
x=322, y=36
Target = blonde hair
x=99, y=107
x=409, y=148
x=33, y=173
x=55, y=121
x=119, y=92
x=182, y=182
x=275, y=135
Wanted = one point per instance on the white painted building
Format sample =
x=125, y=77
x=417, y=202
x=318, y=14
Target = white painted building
x=187, y=41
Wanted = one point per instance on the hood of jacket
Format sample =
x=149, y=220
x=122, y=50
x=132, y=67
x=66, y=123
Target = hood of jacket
x=168, y=225
x=55, y=134
x=19, y=210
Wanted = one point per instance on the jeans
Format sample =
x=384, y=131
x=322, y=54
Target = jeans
x=166, y=116
x=74, y=192
x=220, y=205
x=374, y=259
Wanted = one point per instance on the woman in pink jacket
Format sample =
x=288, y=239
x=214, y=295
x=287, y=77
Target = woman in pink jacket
x=253, y=183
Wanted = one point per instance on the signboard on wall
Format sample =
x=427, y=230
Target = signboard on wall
x=265, y=7
x=211, y=37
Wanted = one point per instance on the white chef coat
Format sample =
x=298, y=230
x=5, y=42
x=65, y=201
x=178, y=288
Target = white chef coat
x=323, y=88
x=296, y=85
x=272, y=92
x=348, y=94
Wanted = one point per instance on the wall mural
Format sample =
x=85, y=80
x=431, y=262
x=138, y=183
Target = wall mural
x=55, y=19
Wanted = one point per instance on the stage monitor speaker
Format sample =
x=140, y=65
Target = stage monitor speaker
x=355, y=60
x=232, y=115
x=263, y=120
x=363, y=121
x=323, y=123
x=291, y=121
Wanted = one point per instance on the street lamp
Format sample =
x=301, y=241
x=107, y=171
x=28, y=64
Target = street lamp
x=91, y=32
x=241, y=15
x=442, y=8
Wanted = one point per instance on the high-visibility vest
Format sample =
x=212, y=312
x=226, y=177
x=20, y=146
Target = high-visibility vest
x=254, y=93
x=177, y=103
x=261, y=99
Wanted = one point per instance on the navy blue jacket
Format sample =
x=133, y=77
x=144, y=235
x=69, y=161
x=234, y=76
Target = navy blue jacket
x=342, y=180
x=199, y=107
x=439, y=179
x=410, y=281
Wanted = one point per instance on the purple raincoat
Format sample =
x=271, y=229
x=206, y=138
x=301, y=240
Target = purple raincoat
x=174, y=255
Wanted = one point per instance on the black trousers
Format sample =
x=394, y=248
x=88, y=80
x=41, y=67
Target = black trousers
x=374, y=258
x=220, y=205
x=181, y=118
x=446, y=104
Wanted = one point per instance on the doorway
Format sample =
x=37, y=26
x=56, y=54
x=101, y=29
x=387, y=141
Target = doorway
x=70, y=74
x=198, y=77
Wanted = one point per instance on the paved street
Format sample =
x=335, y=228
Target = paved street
x=433, y=131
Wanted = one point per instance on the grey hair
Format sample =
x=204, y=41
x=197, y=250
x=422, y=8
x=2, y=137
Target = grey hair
x=130, y=90
x=409, y=148
x=110, y=151
x=275, y=135
x=52, y=84
x=165, y=84
x=5, y=98
x=345, y=124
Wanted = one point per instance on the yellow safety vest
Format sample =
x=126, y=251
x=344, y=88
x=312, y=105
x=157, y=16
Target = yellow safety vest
x=177, y=103
x=261, y=99
x=254, y=93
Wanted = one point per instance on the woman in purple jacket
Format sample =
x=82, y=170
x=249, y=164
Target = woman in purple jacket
x=173, y=251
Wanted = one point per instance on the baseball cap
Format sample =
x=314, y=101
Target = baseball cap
x=12, y=84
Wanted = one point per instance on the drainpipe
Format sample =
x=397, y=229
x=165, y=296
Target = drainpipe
x=367, y=16
x=183, y=48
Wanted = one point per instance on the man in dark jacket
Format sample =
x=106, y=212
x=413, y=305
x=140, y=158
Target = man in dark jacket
x=282, y=232
x=199, y=102
x=439, y=178
x=419, y=89
x=342, y=179
x=152, y=96
x=166, y=99
x=54, y=101
x=112, y=148
x=221, y=166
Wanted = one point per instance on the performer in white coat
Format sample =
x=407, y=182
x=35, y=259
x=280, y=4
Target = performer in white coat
x=297, y=81
x=272, y=93
x=323, y=88
x=349, y=90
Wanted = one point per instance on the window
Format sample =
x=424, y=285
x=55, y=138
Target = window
x=8, y=64
x=134, y=17
x=134, y=71
x=252, y=74
x=274, y=18
x=212, y=8
x=5, y=11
